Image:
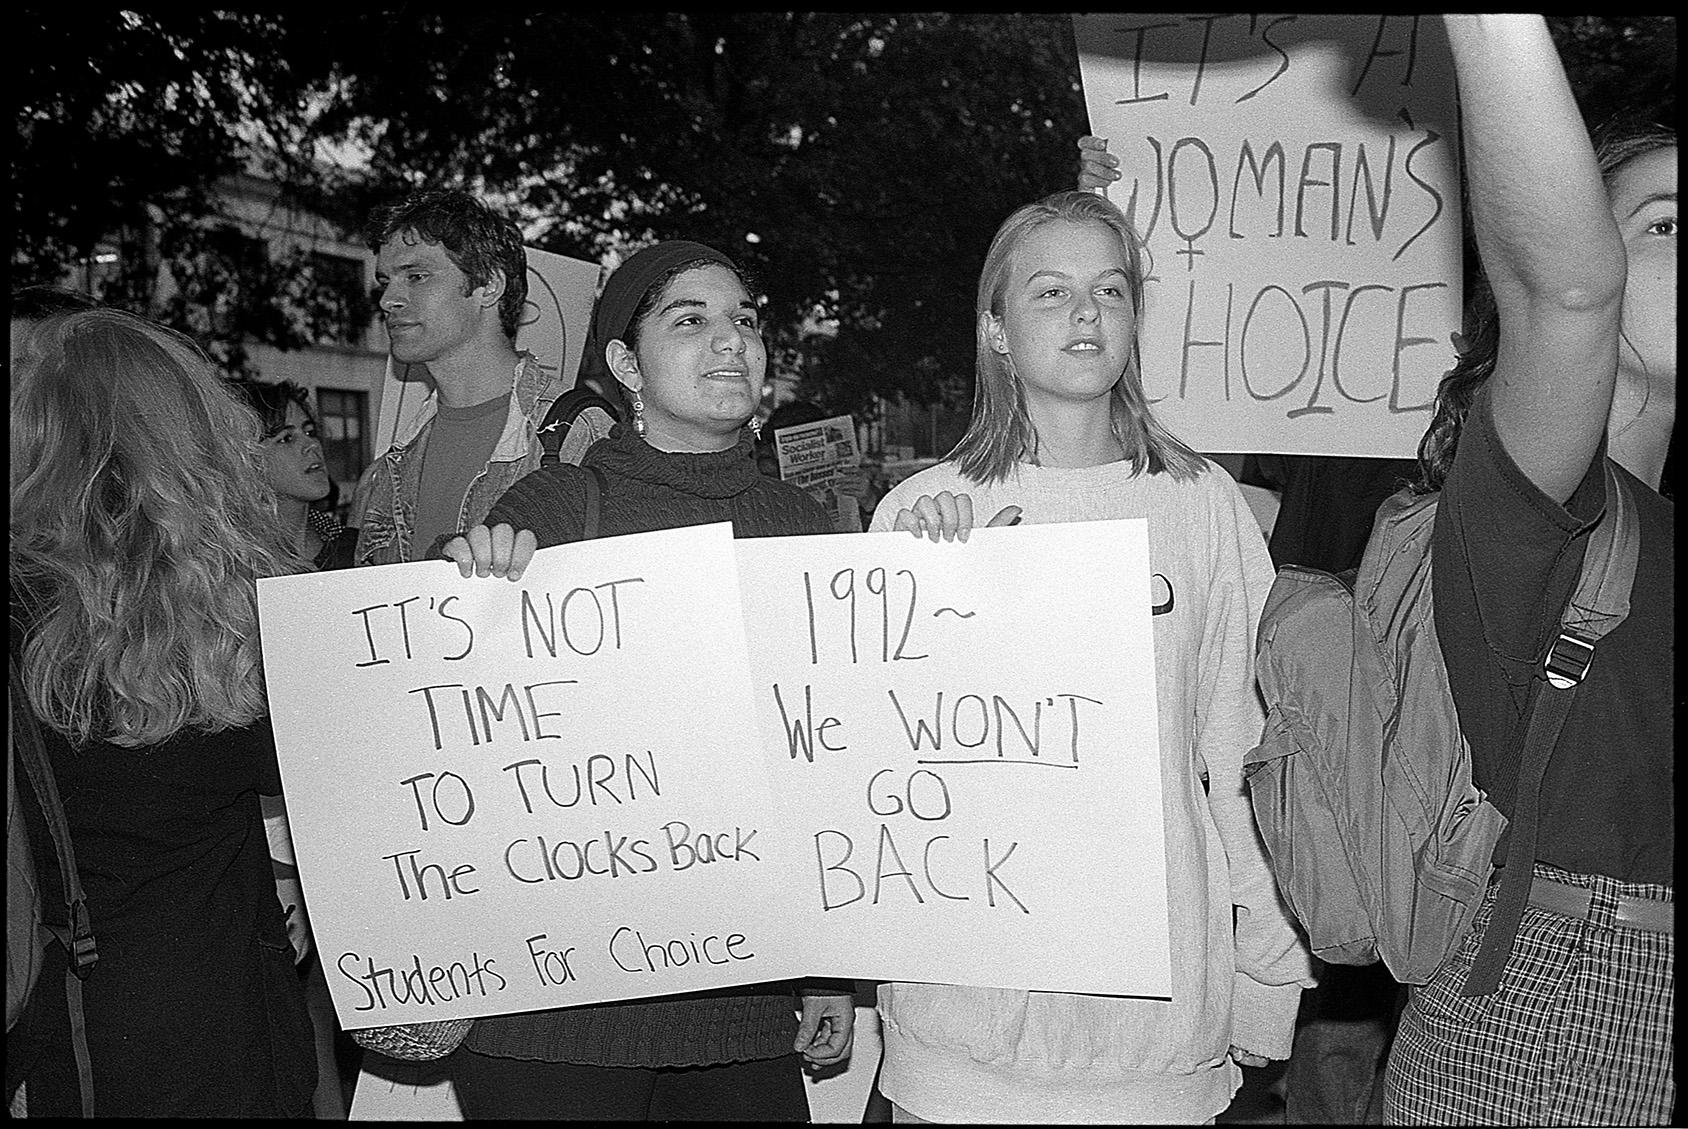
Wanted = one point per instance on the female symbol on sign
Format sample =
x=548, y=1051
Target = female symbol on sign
x=1189, y=237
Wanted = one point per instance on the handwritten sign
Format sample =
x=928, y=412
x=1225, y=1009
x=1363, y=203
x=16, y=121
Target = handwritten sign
x=964, y=745
x=1297, y=180
x=507, y=797
x=816, y=457
x=615, y=778
x=561, y=291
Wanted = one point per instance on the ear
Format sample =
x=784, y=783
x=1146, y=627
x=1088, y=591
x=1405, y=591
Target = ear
x=991, y=326
x=623, y=365
x=490, y=292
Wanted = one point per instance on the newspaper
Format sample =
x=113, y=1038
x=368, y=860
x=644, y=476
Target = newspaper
x=818, y=457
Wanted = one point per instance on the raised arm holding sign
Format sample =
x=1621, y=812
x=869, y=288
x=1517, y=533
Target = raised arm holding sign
x=1569, y=387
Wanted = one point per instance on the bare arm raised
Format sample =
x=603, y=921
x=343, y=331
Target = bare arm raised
x=1549, y=245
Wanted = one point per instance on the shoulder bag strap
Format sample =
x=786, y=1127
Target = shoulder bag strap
x=77, y=934
x=1599, y=604
x=550, y=430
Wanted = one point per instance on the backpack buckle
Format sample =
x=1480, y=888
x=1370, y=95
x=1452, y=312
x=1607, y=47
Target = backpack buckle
x=1568, y=660
x=83, y=953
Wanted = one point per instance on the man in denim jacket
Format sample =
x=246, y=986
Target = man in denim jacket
x=452, y=275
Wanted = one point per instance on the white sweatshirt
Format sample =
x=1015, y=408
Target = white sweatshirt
x=984, y=1054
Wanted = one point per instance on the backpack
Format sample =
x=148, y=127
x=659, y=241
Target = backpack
x=28, y=931
x=564, y=410
x=1361, y=786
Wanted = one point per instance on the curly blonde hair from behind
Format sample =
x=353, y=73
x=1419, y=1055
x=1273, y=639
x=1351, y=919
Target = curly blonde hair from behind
x=141, y=521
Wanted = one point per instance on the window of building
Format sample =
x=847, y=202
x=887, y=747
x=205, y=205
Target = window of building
x=343, y=419
x=235, y=280
x=340, y=303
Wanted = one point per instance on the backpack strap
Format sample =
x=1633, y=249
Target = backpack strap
x=551, y=430
x=1600, y=603
x=77, y=934
x=564, y=410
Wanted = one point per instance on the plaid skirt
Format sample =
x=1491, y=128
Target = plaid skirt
x=1578, y=1033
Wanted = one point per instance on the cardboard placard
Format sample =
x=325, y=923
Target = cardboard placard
x=671, y=761
x=506, y=797
x=966, y=753
x=1297, y=180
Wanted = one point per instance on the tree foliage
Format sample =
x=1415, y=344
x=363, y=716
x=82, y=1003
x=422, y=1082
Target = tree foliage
x=126, y=121
x=856, y=164
x=1619, y=65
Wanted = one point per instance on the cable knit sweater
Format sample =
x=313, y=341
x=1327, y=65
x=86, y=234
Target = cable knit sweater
x=646, y=489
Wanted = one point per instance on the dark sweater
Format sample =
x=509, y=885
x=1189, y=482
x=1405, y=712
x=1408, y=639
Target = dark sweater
x=1507, y=560
x=646, y=489
x=194, y=1008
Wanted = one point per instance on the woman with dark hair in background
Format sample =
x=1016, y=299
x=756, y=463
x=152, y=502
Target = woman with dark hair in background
x=294, y=468
x=293, y=462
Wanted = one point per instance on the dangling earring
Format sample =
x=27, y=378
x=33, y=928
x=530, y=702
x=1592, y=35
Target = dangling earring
x=756, y=428
x=638, y=416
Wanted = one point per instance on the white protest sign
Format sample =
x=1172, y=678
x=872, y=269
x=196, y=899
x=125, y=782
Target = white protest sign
x=507, y=797
x=553, y=328
x=1297, y=179
x=963, y=744
x=561, y=291
x=816, y=457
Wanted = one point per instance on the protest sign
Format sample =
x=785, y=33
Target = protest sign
x=963, y=742
x=893, y=760
x=817, y=457
x=1296, y=178
x=561, y=291
x=506, y=797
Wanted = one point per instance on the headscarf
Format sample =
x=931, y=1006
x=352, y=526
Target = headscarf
x=627, y=286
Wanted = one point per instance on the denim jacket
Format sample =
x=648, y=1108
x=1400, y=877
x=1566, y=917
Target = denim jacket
x=384, y=507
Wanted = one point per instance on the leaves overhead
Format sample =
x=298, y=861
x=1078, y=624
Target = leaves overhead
x=856, y=164
x=125, y=122
x=1619, y=65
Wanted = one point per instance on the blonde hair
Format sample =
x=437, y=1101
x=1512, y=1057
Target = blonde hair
x=140, y=523
x=1001, y=431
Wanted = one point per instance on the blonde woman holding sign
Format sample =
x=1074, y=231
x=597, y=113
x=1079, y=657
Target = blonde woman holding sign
x=1061, y=432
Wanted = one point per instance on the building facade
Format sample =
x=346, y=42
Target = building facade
x=344, y=363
